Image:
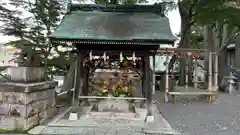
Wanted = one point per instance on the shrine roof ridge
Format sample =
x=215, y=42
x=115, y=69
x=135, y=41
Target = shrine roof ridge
x=156, y=8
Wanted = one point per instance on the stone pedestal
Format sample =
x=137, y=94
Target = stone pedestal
x=26, y=74
x=25, y=105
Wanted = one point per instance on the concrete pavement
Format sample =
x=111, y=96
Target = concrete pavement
x=200, y=118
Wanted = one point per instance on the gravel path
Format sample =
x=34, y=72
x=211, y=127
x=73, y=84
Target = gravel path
x=200, y=118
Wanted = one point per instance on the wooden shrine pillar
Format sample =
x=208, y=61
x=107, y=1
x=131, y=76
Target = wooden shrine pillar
x=147, y=83
x=77, y=80
x=153, y=76
x=78, y=70
x=85, y=88
x=142, y=68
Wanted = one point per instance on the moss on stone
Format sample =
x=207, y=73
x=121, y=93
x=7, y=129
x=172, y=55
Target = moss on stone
x=3, y=131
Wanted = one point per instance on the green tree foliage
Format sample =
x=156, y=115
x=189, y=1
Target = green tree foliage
x=196, y=37
x=30, y=21
x=204, y=12
x=198, y=13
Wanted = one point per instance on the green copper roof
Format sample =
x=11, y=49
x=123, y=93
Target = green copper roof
x=98, y=25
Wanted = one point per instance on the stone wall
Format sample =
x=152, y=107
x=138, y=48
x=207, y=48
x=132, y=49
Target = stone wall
x=23, y=106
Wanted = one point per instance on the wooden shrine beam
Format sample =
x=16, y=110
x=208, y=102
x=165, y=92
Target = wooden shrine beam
x=181, y=50
x=194, y=53
x=117, y=52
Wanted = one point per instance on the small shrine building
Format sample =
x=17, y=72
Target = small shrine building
x=114, y=29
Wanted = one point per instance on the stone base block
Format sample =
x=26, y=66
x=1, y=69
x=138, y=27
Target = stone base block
x=27, y=87
x=23, y=106
x=26, y=110
x=23, y=124
x=25, y=98
x=26, y=74
x=17, y=123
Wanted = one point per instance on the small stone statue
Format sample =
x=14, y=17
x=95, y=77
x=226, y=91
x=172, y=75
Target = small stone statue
x=35, y=60
x=29, y=59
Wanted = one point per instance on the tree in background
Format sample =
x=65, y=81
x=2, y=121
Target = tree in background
x=202, y=13
x=30, y=21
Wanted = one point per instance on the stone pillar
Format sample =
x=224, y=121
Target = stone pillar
x=27, y=99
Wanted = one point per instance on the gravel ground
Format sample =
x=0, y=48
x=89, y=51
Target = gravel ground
x=200, y=118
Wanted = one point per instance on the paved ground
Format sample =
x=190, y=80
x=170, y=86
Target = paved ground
x=200, y=118
x=104, y=126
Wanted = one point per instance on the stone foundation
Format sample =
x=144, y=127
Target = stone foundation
x=23, y=106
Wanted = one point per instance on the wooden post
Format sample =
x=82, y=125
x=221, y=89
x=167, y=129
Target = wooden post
x=186, y=77
x=77, y=85
x=80, y=76
x=166, y=80
x=186, y=70
x=83, y=78
x=210, y=72
x=216, y=72
x=154, y=77
x=195, y=73
x=148, y=88
x=142, y=68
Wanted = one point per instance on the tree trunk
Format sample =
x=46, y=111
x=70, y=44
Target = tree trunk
x=208, y=42
x=186, y=21
x=237, y=51
x=182, y=77
x=190, y=71
x=222, y=55
x=184, y=43
x=113, y=1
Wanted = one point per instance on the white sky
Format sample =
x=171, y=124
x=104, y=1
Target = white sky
x=173, y=16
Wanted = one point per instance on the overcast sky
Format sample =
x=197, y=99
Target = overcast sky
x=173, y=16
